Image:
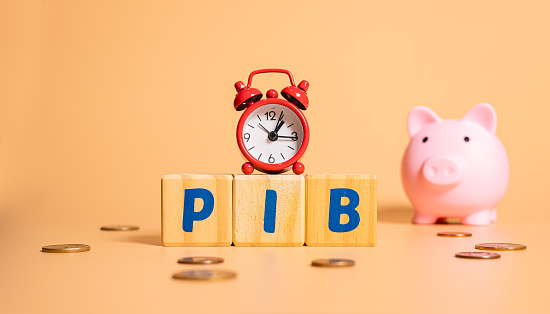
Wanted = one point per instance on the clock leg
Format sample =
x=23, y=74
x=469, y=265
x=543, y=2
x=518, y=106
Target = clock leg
x=298, y=168
x=247, y=168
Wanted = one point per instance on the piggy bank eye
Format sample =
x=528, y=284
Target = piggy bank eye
x=424, y=140
x=466, y=139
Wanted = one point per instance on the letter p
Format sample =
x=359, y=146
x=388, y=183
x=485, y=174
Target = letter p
x=189, y=213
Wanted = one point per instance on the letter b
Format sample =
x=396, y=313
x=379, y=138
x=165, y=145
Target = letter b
x=336, y=209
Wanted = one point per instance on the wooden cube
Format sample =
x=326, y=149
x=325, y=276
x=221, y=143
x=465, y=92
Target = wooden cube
x=196, y=210
x=269, y=210
x=341, y=210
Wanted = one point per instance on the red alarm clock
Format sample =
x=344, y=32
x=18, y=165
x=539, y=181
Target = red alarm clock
x=272, y=133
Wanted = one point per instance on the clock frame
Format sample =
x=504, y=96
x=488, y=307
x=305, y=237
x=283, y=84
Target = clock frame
x=275, y=167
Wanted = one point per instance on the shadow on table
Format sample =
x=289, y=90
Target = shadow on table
x=153, y=239
x=395, y=213
x=403, y=213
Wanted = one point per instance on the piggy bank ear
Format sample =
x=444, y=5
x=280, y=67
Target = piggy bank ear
x=483, y=115
x=419, y=117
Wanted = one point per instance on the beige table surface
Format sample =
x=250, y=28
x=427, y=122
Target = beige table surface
x=409, y=271
x=99, y=99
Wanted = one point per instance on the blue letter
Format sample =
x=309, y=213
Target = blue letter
x=189, y=213
x=270, y=211
x=336, y=209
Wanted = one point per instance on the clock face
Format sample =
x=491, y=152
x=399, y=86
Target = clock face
x=272, y=134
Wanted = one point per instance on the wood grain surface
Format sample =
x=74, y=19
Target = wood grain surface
x=213, y=231
x=249, y=198
x=317, y=210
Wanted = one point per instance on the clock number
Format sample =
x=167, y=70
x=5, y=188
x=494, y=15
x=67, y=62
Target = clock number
x=270, y=115
x=295, y=138
x=271, y=159
x=246, y=137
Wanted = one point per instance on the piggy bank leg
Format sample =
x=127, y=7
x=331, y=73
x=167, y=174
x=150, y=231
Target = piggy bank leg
x=424, y=219
x=493, y=215
x=480, y=218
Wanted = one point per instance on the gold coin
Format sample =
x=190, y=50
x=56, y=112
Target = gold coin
x=66, y=248
x=205, y=275
x=332, y=262
x=477, y=255
x=454, y=234
x=200, y=260
x=119, y=228
x=500, y=246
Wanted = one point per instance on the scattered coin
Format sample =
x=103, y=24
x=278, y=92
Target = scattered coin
x=448, y=221
x=500, y=246
x=205, y=275
x=454, y=234
x=332, y=262
x=200, y=260
x=477, y=255
x=66, y=248
x=119, y=228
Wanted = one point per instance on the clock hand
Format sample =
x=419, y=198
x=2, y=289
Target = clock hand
x=272, y=136
x=292, y=137
x=278, y=127
x=262, y=127
x=279, y=124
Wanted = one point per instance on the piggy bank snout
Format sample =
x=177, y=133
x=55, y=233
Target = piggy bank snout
x=442, y=171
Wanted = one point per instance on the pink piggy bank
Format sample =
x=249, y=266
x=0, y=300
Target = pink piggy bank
x=454, y=168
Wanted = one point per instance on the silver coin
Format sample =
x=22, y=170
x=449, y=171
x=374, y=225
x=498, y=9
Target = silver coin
x=66, y=248
x=200, y=260
x=119, y=228
x=501, y=246
x=205, y=275
x=332, y=262
x=477, y=255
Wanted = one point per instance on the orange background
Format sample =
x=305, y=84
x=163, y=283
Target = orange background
x=98, y=99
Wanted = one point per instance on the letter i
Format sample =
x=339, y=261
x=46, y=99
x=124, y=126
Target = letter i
x=270, y=211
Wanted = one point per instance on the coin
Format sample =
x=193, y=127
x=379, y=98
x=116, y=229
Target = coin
x=119, y=228
x=332, y=262
x=500, y=246
x=448, y=221
x=477, y=255
x=200, y=260
x=205, y=275
x=66, y=248
x=454, y=234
